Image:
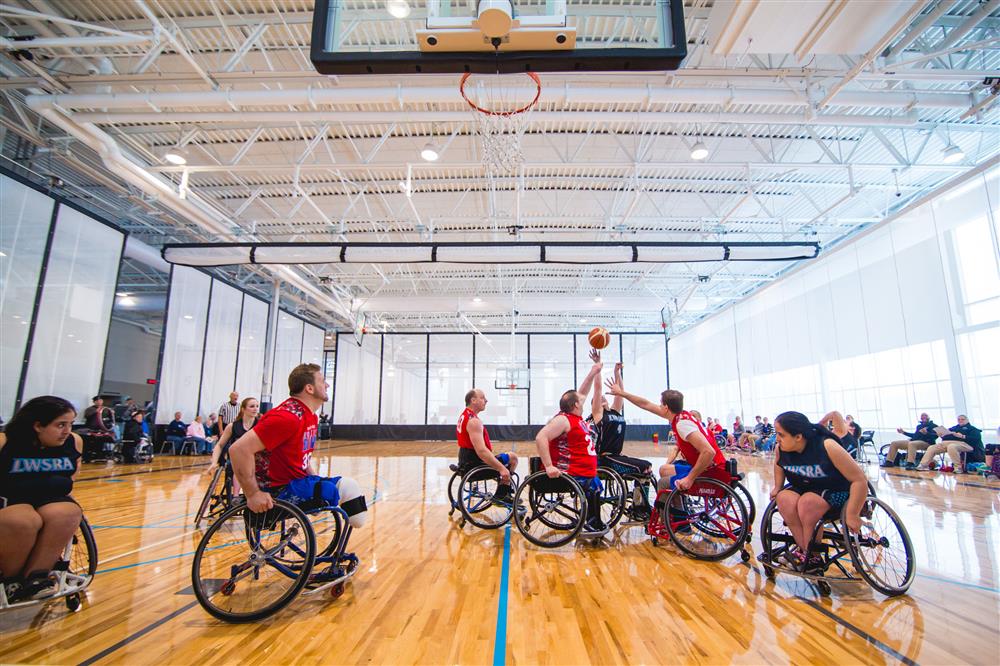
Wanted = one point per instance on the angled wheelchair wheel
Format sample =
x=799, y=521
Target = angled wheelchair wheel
x=711, y=521
x=775, y=537
x=250, y=565
x=550, y=512
x=480, y=499
x=456, y=478
x=748, y=502
x=882, y=551
x=612, y=496
x=218, y=496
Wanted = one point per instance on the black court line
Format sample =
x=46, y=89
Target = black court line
x=147, y=471
x=860, y=632
x=139, y=634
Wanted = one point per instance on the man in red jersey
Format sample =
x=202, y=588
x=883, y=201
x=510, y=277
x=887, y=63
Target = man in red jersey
x=566, y=447
x=702, y=456
x=277, y=453
x=474, y=446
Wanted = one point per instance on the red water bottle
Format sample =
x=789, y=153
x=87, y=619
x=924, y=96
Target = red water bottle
x=656, y=438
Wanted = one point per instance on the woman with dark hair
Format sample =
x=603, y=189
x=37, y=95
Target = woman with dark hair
x=246, y=419
x=821, y=475
x=38, y=461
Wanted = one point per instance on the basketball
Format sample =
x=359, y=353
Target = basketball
x=599, y=337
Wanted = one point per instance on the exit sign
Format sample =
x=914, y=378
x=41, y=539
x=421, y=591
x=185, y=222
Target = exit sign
x=150, y=381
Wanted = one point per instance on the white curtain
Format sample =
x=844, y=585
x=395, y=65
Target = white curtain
x=24, y=228
x=74, y=313
x=183, y=345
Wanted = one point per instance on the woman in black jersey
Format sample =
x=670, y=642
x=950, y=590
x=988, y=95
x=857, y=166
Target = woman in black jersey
x=821, y=475
x=844, y=431
x=39, y=453
x=245, y=420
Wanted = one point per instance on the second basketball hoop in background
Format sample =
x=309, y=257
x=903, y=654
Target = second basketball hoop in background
x=599, y=337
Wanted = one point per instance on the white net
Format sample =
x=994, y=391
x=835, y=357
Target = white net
x=501, y=106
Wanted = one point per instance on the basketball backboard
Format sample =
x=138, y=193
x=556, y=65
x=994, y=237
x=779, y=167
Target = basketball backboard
x=512, y=378
x=489, y=36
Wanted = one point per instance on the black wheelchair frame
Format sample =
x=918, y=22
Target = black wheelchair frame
x=475, y=496
x=832, y=541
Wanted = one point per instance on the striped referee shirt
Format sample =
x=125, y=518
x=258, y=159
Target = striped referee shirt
x=227, y=413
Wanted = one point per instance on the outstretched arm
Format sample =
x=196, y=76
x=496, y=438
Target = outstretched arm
x=618, y=390
x=475, y=428
x=597, y=403
x=619, y=401
x=595, y=369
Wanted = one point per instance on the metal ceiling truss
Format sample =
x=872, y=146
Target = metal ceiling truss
x=810, y=150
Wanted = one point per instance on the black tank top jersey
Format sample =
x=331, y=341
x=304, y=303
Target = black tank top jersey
x=850, y=442
x=811, y=469
x=237, y=432
x=610, y=433
x=30, y=471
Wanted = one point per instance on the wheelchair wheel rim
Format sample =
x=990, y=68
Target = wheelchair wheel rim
x=611, y=497
x=477, y=500
x=249, y=565
x=714, y=527
x=882, y=551
x=549, y=519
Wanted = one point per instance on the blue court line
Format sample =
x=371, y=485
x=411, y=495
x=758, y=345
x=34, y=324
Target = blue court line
x=500, y=638
x=959, y=583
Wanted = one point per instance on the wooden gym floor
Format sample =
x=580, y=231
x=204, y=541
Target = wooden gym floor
x=431, y=593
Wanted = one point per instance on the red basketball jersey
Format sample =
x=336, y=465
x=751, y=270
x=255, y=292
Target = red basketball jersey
x=687, y=450
x=464, y=441
x=573, y=452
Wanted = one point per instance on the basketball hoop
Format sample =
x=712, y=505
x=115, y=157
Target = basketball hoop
x=501, y=106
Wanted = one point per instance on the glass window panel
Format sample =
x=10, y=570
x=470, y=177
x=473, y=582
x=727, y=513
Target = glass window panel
x=253, y=335
x=357, y=381
x=183, y=345
x=287, y=354
x=221, y=340
x=450, y=368
x=404, y=379
x=312, y=345
x=495, y=352
x=71, y=332
x=24, y=228
x=551, y=374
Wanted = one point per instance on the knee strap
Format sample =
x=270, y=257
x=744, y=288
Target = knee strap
x=352, y=501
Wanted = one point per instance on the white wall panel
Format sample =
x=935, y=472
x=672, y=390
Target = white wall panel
x=404, y=379
x=71, y=331
x=221, y=342
x=552, y=373
x=24, y=227
x=253, y=334
x=180, y=371
x=450, y=368
x=287, y=354
x=356, y=400
x=312, y=346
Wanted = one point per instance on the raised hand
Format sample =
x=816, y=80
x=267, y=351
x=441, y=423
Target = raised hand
x=615, y=387
x=595, y=356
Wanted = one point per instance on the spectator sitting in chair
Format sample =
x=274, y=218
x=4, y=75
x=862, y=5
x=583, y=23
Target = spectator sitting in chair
x=736, y=435
x=99, y=417
x=212, y=425
x=956, y=440
x=176, y=432
x=196, y=432
x=922, y=437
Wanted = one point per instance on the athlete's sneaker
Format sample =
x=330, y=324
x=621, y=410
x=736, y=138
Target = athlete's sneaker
x=910, y=466
x=594, y=526
x=959, y=470
x=922, y=468
x=813, y=565
x=36, y=586
x=794, y=558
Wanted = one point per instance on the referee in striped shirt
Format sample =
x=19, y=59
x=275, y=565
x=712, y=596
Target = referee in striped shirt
x=229, y=410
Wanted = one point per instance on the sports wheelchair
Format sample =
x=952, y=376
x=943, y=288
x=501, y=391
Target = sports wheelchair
x=552, y=512
x=99, y=445
x=251, y=565
x=137, y=451
x=473, y=490
x=635, y=486
x=881, y=554
x=73, y=573
x=218, y=496
x=710, y=521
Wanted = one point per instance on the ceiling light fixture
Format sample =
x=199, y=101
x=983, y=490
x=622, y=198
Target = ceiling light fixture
x=176, y=155
x=477, y=300
x=952, y=154
x=398, y=8
x=126, y=300
x=699, y=151
x=598, y=299
x=430, y=152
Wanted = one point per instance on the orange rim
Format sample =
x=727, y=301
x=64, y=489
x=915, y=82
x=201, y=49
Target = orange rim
x=488, y=112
